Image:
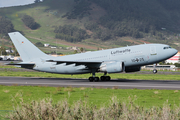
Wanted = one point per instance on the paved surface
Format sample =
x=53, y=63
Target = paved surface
x=123, y=84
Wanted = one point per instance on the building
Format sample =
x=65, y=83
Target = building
x=160, y=67
x=174, y=59
x=9, y=51
x=46, y=45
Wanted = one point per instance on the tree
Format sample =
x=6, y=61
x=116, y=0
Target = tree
x=81, y=49
x=30, y=22
x=37, y=1
x=39, y=44
x=70, y=33
x=3, y=50
x=6, y=26
x=15, y=50
x=75, y=51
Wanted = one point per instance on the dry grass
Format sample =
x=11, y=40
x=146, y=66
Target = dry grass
x=69, y=89
x=176, y=91
x=6, y=91
x=115, y=87
x=156, y=92
x=46, y=110
x=82, y=88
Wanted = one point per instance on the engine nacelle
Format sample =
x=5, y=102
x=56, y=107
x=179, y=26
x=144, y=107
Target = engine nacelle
x=132, y=69
x=114, y=67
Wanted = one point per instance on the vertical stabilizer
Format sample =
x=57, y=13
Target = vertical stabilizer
x=25, y=48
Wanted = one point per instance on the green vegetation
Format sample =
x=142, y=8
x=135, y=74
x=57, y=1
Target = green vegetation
x=39, y=44
x=29, y=22
x=118, y=23
x=6, y=26
x=80, y=10
x=11, y=72
x=90, y=98
x=143, y=75
x=149, y=103
x=70, y=33
x=46, y=110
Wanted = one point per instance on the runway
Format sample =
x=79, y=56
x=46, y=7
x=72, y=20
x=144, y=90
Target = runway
x=64, y=82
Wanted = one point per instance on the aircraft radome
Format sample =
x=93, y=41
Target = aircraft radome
x=117, y=60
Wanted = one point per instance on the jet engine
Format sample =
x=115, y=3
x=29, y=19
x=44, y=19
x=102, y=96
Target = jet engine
x=113, y=67
x=133, y=69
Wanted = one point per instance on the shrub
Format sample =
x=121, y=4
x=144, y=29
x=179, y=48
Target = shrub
x=30, y=22
x=46, y=110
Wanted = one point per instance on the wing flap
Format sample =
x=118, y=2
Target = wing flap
x=88, y=64
x=74, y=62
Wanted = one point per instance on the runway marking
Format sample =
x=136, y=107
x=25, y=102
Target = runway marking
x=99, y=85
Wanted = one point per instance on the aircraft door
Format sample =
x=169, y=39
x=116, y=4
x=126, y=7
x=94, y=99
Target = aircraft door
x=153, y=50
x=153, y=53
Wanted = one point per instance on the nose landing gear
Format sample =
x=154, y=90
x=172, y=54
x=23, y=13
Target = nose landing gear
x=154, y=70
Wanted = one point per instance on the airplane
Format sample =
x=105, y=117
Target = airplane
x=124, y=59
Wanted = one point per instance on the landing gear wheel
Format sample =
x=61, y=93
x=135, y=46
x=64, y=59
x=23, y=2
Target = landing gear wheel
x=154, y=71
x=103, y=78
x=108, y=78
x=96, y=79
x=91, y=79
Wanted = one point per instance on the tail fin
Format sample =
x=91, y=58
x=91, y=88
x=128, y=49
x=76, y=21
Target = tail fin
x=25, y=48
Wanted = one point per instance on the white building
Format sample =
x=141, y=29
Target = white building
x=160, y=67
x=46, y=45
x=3, y=57
x=174, y=59
x=53, y=47
x=10, y=51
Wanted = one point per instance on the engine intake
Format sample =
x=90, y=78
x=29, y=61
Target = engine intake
x=113, y=67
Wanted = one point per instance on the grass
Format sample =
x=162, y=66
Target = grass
x=46, y=110
x=143, y=75
x=12, y=72
x=13, y=95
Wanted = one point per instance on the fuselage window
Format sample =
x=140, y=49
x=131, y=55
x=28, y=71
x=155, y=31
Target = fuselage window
x=166, y=47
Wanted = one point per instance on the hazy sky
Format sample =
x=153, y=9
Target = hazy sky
x=7, y=3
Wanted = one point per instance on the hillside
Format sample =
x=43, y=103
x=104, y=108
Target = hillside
x=95, y=24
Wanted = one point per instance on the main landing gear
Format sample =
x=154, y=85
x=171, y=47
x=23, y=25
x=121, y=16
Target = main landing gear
x=102, y=78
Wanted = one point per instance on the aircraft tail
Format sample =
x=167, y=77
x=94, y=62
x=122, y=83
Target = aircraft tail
x=25, y=48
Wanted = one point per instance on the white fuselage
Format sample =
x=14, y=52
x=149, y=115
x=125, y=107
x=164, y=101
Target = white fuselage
x=137, y=55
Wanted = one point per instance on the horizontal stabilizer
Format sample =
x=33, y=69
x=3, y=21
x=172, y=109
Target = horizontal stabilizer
x=23, y=65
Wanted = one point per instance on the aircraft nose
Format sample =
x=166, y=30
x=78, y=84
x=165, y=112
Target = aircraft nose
x=174, y=51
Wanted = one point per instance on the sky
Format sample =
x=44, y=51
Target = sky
x=8, y=3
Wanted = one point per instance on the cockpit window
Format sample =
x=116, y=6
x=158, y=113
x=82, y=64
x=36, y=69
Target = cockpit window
x=168, y=47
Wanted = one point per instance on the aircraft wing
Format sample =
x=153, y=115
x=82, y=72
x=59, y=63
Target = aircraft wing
x=75, y=62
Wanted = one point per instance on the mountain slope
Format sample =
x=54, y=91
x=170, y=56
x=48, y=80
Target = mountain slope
x=106, y=22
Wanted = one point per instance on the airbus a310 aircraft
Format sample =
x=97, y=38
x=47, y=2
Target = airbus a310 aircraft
x=117, y=60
